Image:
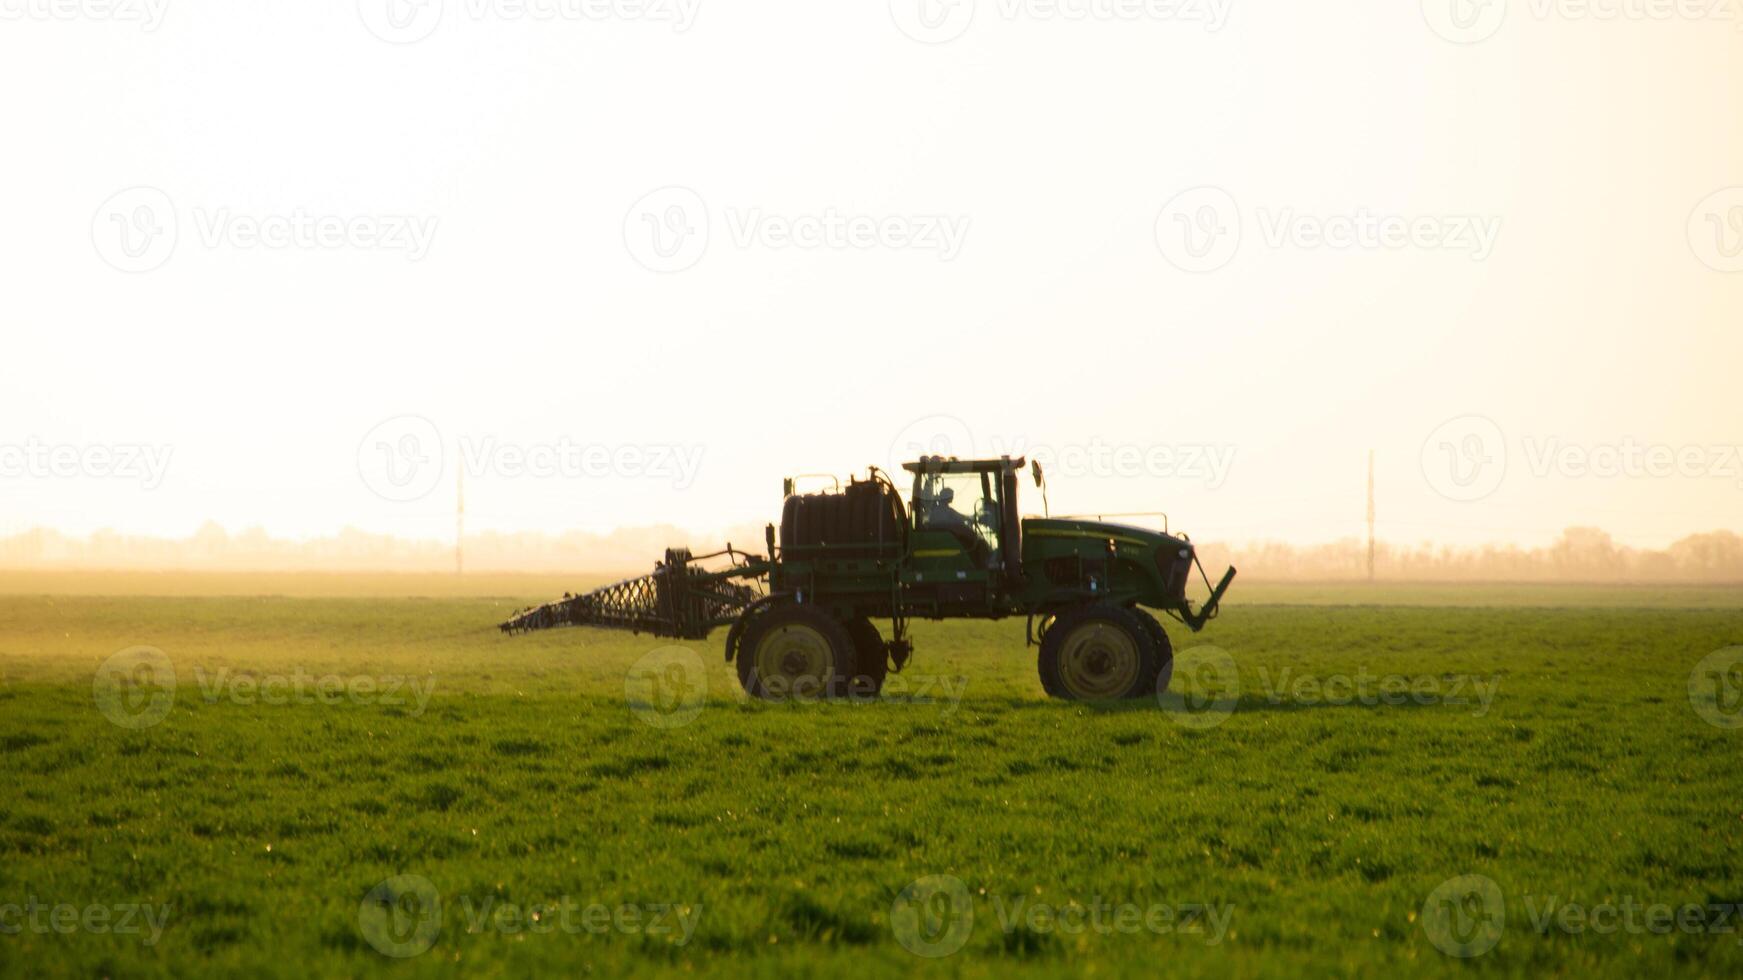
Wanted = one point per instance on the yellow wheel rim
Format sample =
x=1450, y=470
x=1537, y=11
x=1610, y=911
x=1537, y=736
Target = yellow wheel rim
x=794, y=661
x=1098, y=662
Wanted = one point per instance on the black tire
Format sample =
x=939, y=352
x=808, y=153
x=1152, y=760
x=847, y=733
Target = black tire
x=872, y=663
x=793, y=652
x=1158, y=683
x=1099, y=653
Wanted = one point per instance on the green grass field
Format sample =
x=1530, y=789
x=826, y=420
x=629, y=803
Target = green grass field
x=374, y=785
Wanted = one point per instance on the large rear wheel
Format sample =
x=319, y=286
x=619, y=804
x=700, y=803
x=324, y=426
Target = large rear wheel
x=1099, y=653
x=796, y=653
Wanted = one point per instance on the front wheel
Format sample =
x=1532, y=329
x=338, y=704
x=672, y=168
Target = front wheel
x=871, y=656
x=1158, y=684
x=1100, y=653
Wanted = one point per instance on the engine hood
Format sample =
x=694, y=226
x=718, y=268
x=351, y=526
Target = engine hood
x=1123, y=535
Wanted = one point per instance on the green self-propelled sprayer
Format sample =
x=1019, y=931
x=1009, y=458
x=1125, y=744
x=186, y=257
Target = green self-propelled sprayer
x=802, y=618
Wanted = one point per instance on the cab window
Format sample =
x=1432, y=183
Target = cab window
x=966, y=505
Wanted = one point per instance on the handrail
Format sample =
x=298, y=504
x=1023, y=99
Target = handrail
x=1103, y=517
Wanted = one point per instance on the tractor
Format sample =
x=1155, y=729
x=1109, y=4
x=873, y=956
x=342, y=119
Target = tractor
x=802, y=615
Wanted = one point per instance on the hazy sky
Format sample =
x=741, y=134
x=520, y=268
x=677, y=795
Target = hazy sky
x=284, y=265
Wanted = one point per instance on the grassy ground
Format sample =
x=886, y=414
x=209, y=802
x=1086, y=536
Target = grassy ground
x=334, y=777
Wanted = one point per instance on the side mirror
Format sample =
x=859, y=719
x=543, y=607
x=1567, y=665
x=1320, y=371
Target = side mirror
x=1035, y=470
x=1040, y=481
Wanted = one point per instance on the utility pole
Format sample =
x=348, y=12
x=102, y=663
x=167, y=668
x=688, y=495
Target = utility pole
x=460, y=515
x=1370, y=516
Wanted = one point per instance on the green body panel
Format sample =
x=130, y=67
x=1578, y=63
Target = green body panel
x=1064, y=563
x=1068, y=561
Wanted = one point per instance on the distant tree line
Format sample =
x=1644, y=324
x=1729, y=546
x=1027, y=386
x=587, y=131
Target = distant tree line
x=1580, y=554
